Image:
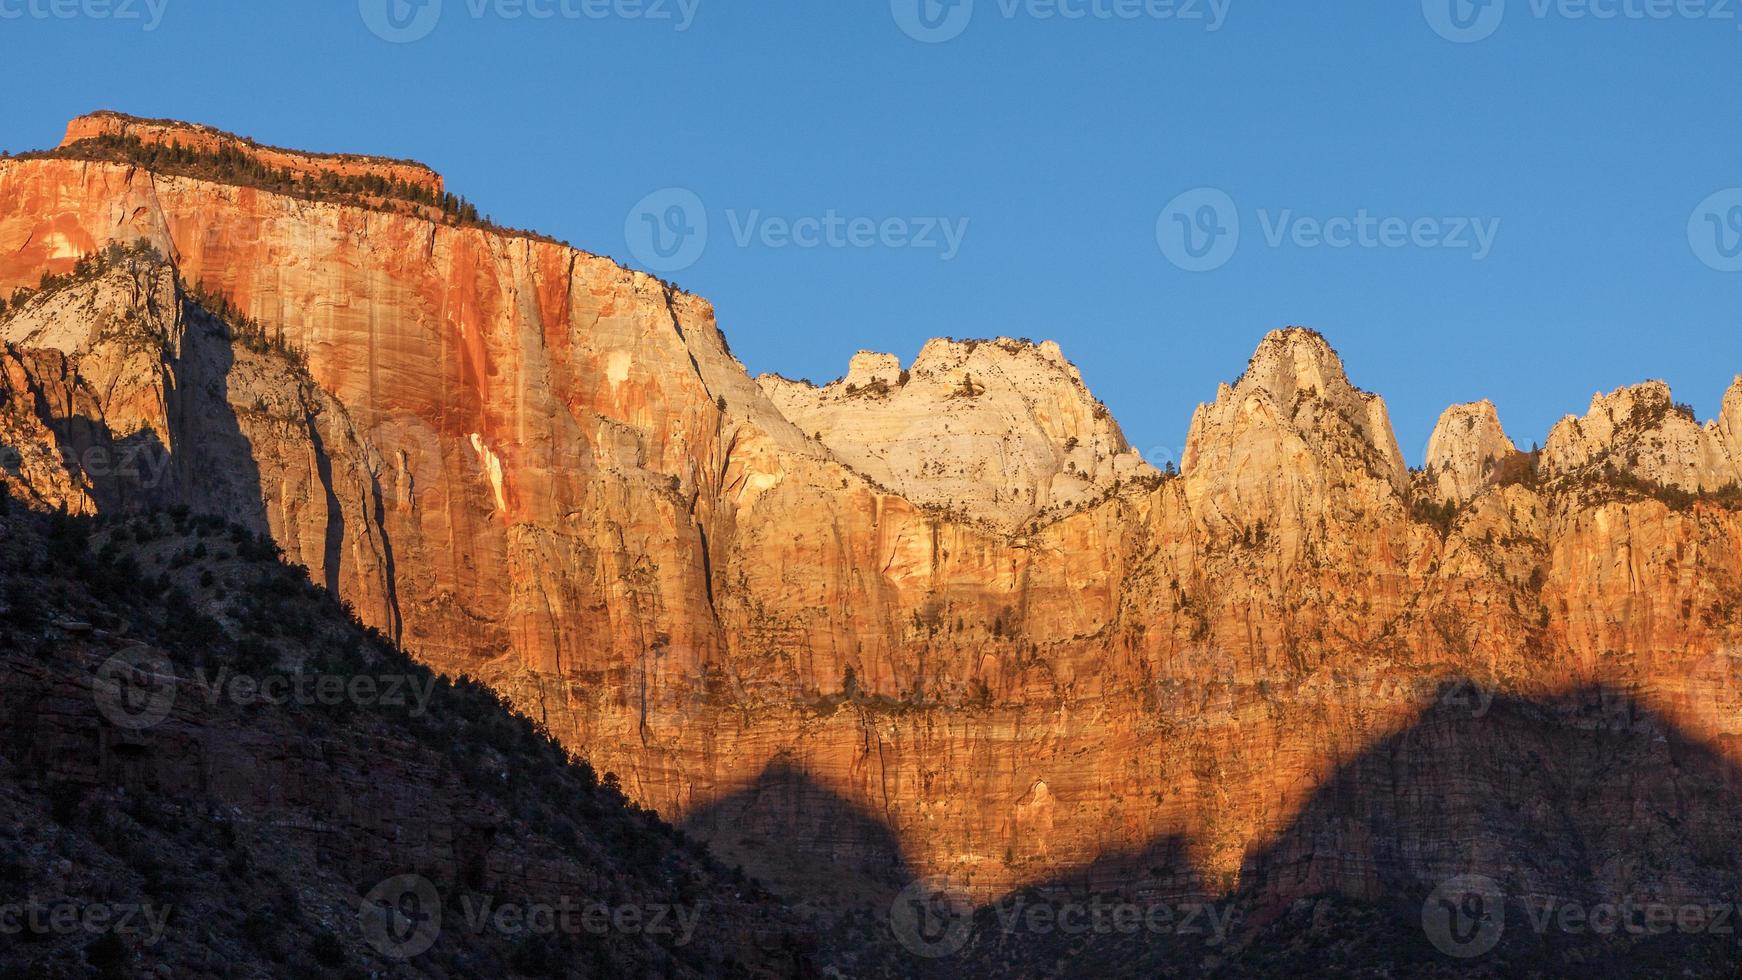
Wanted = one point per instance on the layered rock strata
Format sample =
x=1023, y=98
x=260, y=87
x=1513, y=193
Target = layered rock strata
x=984, y=650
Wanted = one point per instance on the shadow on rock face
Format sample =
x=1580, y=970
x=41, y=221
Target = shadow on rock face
x=1577, y=832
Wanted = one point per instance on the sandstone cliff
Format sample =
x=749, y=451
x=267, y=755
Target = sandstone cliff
x=1641, y=431
x=1000, y=431
x=1466, y=446
x=984, y=650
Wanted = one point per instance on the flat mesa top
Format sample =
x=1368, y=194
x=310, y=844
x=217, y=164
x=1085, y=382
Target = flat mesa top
x=110, y=124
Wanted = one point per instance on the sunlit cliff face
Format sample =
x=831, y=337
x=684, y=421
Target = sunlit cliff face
x=948, y=624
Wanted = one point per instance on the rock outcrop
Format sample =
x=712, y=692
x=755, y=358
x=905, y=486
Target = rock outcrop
x=998, y=431
x=1288, y=443
x=150, y=401
x=35, y=463
x=1641, y=431
x=997, y=654
x=1466, y=446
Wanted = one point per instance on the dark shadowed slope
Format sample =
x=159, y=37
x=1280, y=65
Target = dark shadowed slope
x=207, y=768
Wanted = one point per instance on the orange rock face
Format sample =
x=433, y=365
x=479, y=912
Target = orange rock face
x=208, y=140
x=543, y=470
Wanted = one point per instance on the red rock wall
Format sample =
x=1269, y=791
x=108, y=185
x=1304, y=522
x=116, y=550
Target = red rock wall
x=679, y=591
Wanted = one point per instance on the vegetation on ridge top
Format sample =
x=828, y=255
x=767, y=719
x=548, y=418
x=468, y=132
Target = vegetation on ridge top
x=229, y=165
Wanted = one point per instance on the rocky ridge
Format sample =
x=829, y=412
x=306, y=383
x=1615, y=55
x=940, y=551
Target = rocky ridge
x=1467, y=445
x=205, y=139
x=703, y=582
x=1001, y=431
x=1641, y=431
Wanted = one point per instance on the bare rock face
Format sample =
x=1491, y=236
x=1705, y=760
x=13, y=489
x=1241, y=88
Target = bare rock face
x=1641, y=431
x=1729, y=421
x=868, y=368
x=35, y=463
x=1285, y=440
x=1466, y=445
x=1295, y=394
x=128, y=325
x=941, y=613
x=153, y=402
x=998, y=431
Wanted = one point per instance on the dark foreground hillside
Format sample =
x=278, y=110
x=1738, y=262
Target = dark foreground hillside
x=208, y=769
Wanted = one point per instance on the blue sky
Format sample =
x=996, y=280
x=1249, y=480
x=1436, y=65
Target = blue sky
x=1079, y=151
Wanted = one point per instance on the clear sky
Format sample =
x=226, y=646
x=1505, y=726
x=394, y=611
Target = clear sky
x=1516, y=182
